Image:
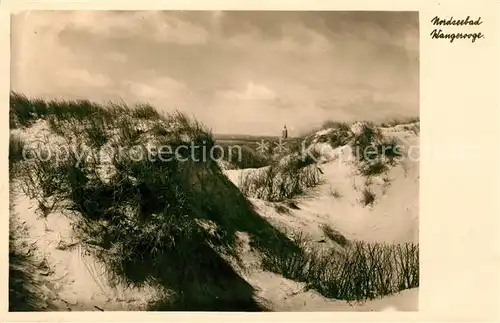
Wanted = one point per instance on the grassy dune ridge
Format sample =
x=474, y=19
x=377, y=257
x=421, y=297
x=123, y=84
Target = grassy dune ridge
x=173, y=224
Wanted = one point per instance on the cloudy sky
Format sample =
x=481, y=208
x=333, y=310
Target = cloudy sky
x=238, y=72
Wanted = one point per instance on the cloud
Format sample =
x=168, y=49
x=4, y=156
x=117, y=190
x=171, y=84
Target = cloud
x=116, y=57
x=252, y=91
x=235, y=71
x=165, y=28
x=295, y=39
x=155, y=88
x=163, y=92
x=153, y=25
x=78, y=77
x=298, y=38
x=36, y=53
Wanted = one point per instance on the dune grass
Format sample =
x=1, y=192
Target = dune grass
x=357, y=272
x=400, y=121
x=278, y=183
x=242, y=156
x=16, y=149
x=284, y=180
x=368, y=197
x=141, y=217
x=170, y=220
x=334, y=235
x=340, y=134
x=374, y=152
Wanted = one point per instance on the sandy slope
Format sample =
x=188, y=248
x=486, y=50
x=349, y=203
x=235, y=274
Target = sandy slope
x=392, y=218
x=287, y=295
x=78, y=282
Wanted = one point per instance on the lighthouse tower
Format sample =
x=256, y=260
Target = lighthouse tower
x=284, y=133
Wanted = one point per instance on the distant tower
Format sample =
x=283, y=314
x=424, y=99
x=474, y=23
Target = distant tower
x=285, y=133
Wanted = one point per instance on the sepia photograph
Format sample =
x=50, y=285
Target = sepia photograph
x=242, y=161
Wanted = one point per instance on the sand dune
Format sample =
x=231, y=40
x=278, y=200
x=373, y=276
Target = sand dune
x=76, y=280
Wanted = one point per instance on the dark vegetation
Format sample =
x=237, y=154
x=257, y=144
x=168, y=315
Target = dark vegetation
x=16, y=148
x=242, y=156
x=171, y=222
x=400, y=121
x=368, y=197
x=282, y=182
x=334, y=235
x=375, y=154
x=358, y=271
x=340, y=134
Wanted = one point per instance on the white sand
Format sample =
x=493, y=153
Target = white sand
x=287, y=295
x=392, y=218
x=78, y=282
